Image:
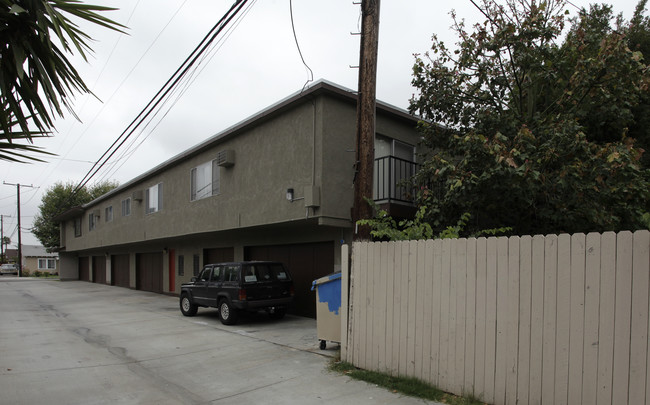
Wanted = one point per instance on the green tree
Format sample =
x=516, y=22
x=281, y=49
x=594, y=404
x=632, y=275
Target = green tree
x=37, y=81
x=532, y=127
x=58, y=199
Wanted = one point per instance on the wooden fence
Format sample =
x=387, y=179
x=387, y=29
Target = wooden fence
x=521, y=320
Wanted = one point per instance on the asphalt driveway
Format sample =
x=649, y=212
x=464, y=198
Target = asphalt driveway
x=82, y=343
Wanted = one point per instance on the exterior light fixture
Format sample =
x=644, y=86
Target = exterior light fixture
x=290, y=194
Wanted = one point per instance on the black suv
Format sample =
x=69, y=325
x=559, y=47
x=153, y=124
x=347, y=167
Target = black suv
x=231, y=287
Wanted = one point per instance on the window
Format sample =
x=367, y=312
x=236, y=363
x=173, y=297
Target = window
x=205, y=180
x=205, y=274
x=195, y=265
x=153, y=199
x=231, y=273
x=108, y=213
x=46, y=264
x=77, y=227
x=126, y=207
x=394, y=166
x=92, y=221
x=181, y=265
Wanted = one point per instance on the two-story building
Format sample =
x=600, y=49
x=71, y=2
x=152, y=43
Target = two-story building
x=278, y=186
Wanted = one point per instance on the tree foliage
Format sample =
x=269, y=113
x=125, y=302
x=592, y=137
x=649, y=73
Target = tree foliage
x=37, y=81
x=537, y=128
x=58, y=199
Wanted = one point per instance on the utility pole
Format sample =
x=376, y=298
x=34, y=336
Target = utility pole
x=366, y=106
x=20, y=245
x=2, y=237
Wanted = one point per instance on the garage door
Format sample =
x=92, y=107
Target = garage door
x=120, y=275
x=99, y=269
x=218, y=255
x=149, y=272
x=306, y=262
x=84, y=268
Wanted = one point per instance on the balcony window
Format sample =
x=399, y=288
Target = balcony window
x=394, y=166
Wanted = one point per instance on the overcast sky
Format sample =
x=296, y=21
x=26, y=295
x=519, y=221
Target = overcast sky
x=256, y=66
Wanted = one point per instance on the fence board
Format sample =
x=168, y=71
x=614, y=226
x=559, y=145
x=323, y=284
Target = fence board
x=563, y=319
x=397, y=300
x=537, y=321
x=443, y=371
x=381, y=302
x=606, y=320
x=577, y=318
x=419, y=312
x=410, y=335
x=390, y=306
x=592, y=304
x=623, y=312
x=436, y=313
x=502, y=321
x=461, y=304
x=481, y=303
x=373, y=258
x=470, y=316
x=490, y=320
x=639, y=332
x=453, y=293
x=512, y=346
x=550, y=319
x=427, y=310
x=404, y=288
x=525, y=299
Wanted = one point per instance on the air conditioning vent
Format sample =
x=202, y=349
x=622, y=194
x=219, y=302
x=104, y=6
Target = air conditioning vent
x=137, y=195
x=226, y=158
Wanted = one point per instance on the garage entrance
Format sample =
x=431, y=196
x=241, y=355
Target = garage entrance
x=306, y=262
x=120, y=275
x=149, y=272
x=218, y=255
x=84, y=268
x=99, y=269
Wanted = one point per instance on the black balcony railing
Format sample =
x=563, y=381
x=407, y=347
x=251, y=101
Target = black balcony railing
x=390, y=182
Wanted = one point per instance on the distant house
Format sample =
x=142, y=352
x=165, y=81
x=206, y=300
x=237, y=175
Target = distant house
x=276, y=186
x=35, y=257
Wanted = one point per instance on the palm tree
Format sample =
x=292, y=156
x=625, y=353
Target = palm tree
x=37, y=81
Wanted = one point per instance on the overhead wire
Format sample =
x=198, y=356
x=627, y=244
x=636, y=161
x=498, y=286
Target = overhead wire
x=179, y=92
x=295, y=37
x=171, y=83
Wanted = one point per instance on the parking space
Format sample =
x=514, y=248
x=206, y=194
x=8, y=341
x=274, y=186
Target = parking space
x=78, y=343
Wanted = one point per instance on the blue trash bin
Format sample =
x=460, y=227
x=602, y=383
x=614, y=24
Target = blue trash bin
x=328, y=308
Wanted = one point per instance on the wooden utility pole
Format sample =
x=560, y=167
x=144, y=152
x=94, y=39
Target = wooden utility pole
x=366, y=106
x=20, y=245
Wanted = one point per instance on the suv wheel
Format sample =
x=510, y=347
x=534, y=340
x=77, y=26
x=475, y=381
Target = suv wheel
x=188, y=308
x=227, y=313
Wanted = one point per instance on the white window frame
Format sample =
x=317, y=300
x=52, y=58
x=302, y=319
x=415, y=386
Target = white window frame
x=108, y=213
x=92, y=221
x=50, y=264
x=153, y=199
x=205, y=180
x=126, y=207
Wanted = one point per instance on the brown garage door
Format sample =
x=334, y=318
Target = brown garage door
x=84, y=268
x=218, y=255
x=149, y=272
x=99, y=269
x=306, y=262
x=120, y=271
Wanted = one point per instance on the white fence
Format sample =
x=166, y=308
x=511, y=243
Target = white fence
x=521, y=320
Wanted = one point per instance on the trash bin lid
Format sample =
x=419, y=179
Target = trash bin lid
x=325, y=279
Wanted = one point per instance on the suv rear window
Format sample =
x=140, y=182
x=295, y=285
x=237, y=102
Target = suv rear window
x=264, y=272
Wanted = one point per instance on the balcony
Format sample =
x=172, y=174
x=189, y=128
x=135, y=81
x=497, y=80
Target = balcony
x=390, y=189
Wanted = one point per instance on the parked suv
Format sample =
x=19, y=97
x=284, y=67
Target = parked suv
x=239, y=286
x=9, y=268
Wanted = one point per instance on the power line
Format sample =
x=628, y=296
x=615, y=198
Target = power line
x=293, y=28
x=171, y=83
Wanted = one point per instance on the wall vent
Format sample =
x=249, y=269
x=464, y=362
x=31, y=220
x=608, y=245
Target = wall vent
x=226, y=158
x=138, y=195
